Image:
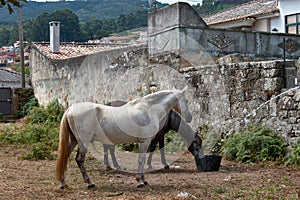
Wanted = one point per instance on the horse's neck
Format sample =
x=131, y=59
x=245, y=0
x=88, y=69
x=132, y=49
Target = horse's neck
x=164, y=98
x=177, y=123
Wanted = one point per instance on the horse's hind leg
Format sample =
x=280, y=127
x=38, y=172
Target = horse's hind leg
x=80, y=158
x=106, y=161
x=112, y=149
x=162, y=152
x=151, y=151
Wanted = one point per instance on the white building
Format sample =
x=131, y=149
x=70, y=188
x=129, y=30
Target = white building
x=282, y=16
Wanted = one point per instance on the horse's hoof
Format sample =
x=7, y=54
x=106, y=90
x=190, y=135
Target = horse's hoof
x=118, y=168
x=150, y=168
x=145, y=183
x=140, y=185
x=108, y=168
x=91, y=186
x=167, y=167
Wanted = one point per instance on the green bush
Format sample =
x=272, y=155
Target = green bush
x=39, y=132
x=255, y=145
x=29, y=105
x=131, y=147
x=2, y=118
x=293, y=157
x=174, y=142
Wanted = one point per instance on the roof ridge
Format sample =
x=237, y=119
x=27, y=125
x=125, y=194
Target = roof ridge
x=241, y=5
x=210, y=19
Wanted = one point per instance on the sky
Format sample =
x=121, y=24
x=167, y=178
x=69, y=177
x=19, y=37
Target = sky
x=192, y=2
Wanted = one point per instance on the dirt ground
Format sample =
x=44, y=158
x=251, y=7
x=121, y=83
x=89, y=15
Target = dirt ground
x=23, y=179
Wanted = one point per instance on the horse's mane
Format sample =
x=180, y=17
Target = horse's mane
x=152, y=96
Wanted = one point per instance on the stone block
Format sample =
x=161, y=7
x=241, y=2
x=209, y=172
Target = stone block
x=232, y=58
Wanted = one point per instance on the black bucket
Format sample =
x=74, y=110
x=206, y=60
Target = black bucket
x=208, y=163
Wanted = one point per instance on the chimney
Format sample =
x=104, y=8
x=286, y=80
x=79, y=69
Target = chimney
x=54, y=36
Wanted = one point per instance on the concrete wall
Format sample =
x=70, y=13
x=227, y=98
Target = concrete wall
x=174, y=35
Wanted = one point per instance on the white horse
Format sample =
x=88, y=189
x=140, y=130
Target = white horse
x=136, y=121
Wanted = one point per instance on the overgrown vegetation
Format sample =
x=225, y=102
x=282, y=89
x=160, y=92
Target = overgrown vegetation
x=2, y=118
x=257, y=144
x=293, y=157
x=31, y=103
x=18, y=68
x=39, y=132
x=174, y=142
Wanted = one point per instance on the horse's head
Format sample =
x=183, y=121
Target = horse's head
x=182, y=106
x=196, y=147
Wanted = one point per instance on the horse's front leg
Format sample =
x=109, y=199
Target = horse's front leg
x=141, y=162
x=80, y=158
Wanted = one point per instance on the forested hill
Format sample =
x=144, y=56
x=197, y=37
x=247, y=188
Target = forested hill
x=99, y=9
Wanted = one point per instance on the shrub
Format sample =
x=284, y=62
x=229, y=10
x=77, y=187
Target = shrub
x=29, y=105
x=293, y=157
x=255, y=145
x=174, y=142
x=39, y=132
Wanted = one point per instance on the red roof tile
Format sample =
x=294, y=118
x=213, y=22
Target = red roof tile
x=251, y=9
x=69, y=50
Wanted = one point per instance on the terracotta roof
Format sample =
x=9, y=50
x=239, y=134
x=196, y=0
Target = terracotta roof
x=9, y=75
x=251, y=9
x=69, y=50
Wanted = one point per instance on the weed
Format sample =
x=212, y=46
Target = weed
x=39, y=132
x=2, y=118
x=293, y=157
x=255, y=145
x=29, y=105
x=219, y=190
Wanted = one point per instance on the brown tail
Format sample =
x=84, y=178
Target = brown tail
x=63, y=149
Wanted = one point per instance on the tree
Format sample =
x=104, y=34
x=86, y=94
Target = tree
x=4, y=36
x=91, y=28
x=69, y=26
x=10, y=3
x=38, y=28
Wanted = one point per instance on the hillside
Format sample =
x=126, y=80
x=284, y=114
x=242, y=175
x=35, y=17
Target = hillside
x=99, y=9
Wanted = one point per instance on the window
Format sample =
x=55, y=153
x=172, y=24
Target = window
x=292, y=24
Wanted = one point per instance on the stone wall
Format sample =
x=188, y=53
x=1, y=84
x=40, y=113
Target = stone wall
x=230, y=96
x=84, y=78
